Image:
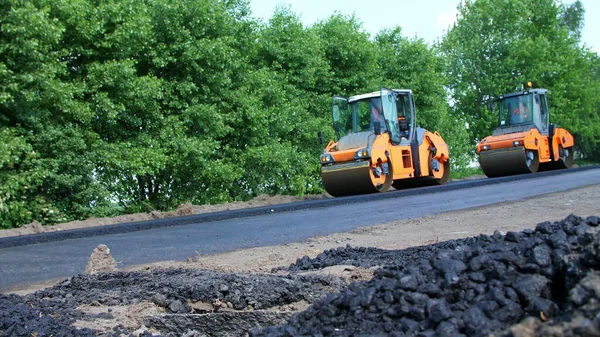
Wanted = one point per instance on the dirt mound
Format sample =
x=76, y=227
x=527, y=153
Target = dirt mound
x=481, y=286
x=101, y=261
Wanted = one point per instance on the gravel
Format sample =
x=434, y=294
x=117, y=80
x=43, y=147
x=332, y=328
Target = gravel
x=170, y=289
x=472, y=287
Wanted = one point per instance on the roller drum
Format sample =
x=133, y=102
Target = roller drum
x=349, y=179
x=564, y=161
x=510, y=161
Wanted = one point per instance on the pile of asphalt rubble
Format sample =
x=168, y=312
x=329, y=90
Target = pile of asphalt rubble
x=542, y=282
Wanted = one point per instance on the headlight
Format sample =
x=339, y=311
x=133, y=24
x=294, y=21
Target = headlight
x=364, y=153
x=326, y=158
x=486, y=147
x=516, y=143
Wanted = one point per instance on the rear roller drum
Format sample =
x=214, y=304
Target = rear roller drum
x=439, y=174
x=566, y=158
x=439, y=171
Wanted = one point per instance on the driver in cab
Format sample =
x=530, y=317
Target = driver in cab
x=520, y=113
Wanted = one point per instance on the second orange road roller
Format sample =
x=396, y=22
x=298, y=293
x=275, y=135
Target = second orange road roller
x=379, y=145
x=525, y=141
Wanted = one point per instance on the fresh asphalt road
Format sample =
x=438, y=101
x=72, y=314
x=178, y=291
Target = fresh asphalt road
x=51, y=260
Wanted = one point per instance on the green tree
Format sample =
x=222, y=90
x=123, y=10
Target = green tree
x=412, y=64
x=158, y=76
x=279, y=110
x=495, y=46
x=296, y=53
x=40, y=104
x=22, y=192
x=350, y=55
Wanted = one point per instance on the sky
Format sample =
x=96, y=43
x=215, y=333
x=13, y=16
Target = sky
x=426, y=19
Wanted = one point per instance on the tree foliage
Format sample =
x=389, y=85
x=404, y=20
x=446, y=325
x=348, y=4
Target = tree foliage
x=412, y=64
x=49, y=166
x=110, y=107
x=497, y=45
x=350, y=55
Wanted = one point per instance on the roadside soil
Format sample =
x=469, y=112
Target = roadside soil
x=183, y=210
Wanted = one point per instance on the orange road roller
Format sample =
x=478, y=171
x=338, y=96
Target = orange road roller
x=379, y=146
x=525, y=141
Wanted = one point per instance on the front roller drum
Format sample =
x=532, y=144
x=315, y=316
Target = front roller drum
x=505, y=162
x=356, y=178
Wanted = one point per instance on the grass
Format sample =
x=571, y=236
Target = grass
x=584, y=162
x=465, y=172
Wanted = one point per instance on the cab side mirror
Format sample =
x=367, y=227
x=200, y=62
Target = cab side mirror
x=320, y=135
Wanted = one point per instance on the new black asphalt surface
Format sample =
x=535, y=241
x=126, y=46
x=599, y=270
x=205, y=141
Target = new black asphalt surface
x=247, y=212
x=32, y=263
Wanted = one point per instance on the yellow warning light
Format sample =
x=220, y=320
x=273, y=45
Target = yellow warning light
x=529, y=84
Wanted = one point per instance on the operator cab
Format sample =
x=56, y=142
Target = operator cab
x=393, y=109
x=523, y=110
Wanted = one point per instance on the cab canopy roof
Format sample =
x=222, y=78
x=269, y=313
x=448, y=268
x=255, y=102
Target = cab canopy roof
x=376, y=94
x=525, y=92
